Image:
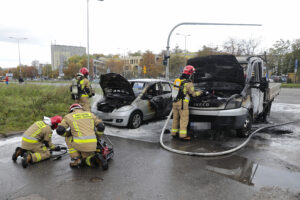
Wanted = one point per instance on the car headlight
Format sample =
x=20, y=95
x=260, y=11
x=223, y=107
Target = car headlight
x=234, y=103
x=124, y=108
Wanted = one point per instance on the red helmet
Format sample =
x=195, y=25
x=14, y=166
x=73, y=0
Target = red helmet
x=84, y=71
x=189, y=70
x=75, y=106
x=55, y=120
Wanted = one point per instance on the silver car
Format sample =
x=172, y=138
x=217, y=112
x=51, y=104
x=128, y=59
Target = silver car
x=129, y=103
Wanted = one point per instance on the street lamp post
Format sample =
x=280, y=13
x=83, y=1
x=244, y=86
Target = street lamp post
x=124, y=53
x=185, y=36
x=88, y=33
x=18, y=40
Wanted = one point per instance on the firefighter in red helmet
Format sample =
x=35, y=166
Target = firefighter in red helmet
x=78, y=128
x=83, y=89
x=36, y=140
x=183, y=89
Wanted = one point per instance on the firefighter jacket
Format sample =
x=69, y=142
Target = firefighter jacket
x=37, y=134
x=85, y=88
x=188, y=90
x=82, y=129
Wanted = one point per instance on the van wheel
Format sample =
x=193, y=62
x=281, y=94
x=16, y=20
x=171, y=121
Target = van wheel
x=245, y=131
x=135, y=120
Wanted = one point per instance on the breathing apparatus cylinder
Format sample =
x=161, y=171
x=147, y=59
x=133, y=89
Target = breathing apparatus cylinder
x=176, y=88
x=74, y=89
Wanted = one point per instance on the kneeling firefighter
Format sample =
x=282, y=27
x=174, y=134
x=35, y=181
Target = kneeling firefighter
x=82, y=90
x=36, y=140
x=81, y=138
x=182, y=89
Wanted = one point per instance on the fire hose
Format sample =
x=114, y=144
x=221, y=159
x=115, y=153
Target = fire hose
x=212, y=154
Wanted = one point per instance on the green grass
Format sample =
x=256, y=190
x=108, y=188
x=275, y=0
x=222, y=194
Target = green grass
x=290, y=85
x=22, y=105
x=50, y=81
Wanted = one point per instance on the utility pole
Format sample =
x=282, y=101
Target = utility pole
x=185, y=36
x=88, y=33
x=18, y=40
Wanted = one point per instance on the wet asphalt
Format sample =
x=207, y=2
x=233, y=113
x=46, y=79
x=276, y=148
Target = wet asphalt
x=267, y=168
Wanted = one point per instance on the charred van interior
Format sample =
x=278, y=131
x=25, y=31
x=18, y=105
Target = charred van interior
x=117, y=92
x=221, y=75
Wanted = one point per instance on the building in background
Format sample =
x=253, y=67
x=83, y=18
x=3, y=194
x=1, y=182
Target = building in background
x=61, y=53
x=131, y=65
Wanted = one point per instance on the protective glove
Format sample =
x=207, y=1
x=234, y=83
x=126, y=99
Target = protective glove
x=57, y=148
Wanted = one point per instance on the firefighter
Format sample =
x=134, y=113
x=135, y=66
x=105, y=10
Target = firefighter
x=78, y=128
x=84, y=89
x=181, y=102
x=36, y=140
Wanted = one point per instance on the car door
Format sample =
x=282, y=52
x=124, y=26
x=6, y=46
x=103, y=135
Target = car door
x=256, y=94
x=147, y=102
x=166, y=97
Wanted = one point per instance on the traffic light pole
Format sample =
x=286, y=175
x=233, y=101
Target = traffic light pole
x=195, y=23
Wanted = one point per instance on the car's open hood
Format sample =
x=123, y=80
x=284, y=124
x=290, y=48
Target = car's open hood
x=217, y=68
x=115, y=82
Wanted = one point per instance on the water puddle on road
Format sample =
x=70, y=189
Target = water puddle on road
x=246, y=171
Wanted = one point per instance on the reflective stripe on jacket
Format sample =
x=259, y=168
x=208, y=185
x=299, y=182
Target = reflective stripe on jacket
x=82, y=125
x=37, y=134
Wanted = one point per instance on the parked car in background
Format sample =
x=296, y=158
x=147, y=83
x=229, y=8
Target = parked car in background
x=129, y=103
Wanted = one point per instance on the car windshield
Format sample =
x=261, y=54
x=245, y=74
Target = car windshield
x=137, y=87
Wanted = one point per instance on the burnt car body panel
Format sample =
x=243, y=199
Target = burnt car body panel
x=122, y=98
x=235, y=92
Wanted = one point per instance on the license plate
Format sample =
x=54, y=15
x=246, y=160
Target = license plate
x=200, y=125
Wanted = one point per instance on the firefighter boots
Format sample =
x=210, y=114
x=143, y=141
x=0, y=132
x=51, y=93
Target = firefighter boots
x=26, y=159
x=18, y=152
x=76, y=163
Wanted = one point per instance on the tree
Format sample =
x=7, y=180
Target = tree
x=177, y=63
x=149, y=61
x=137, y=53
x=241, y=47
x=47, y=71
x=206, y=51
x=277, y=56
x=115, y=65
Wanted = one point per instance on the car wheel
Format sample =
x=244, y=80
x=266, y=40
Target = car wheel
x=245, y=130
x=135, y=120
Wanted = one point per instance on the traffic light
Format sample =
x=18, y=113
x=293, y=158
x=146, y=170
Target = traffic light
x=165, y=60
x=145, y=69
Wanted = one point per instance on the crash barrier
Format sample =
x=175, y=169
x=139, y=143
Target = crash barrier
x=215, y=153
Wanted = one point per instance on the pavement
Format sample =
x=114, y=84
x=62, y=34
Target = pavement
x=267, y=168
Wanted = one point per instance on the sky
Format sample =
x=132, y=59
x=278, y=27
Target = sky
x=122, y=26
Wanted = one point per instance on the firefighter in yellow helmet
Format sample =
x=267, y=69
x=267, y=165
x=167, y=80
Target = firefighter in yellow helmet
x=78, y=128
x=85, y=90
x=36, y=140
x=181, y=103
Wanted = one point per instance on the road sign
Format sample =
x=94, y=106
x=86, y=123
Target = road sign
x=296, y=65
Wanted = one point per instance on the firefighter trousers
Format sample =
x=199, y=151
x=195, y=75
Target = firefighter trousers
x=75, y=154
x=39, y=153
x=180, y=118
x=84, y=102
